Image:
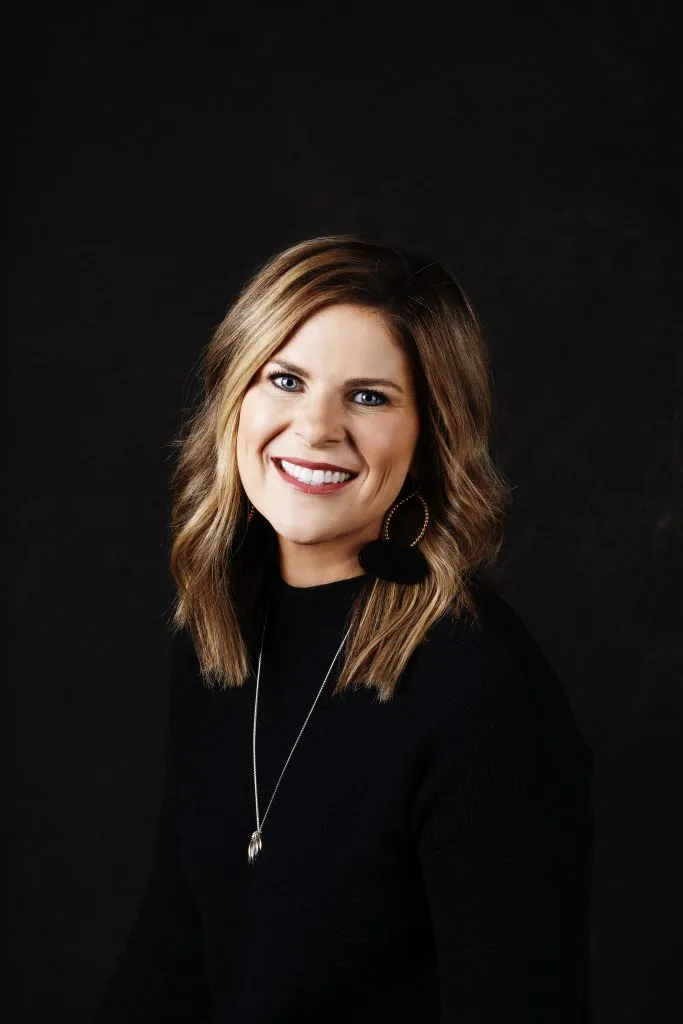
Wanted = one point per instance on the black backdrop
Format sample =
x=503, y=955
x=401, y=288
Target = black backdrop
x=160, y=158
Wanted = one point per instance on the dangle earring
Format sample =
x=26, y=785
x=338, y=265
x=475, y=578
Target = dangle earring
x=386, y=559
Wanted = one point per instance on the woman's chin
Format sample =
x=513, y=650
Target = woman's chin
x=306, y=533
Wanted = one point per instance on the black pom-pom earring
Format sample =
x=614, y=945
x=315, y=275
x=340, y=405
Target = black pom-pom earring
x=386, y=559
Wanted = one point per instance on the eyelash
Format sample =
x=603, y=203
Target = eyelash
x=363, y=391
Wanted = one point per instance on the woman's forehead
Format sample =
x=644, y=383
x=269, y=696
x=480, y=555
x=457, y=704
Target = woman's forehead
x=340, y=335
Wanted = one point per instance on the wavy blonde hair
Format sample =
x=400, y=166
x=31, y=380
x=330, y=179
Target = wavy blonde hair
x=220, y=563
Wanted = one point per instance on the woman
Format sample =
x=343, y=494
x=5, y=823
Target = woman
x=377, y=802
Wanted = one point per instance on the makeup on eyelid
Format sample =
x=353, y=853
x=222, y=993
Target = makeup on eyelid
x=274, y=374
x=354, y=382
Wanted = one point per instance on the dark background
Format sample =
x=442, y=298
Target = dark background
x=160, y=158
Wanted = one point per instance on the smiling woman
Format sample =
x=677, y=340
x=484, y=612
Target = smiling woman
x=326, y=418
x=428, y=856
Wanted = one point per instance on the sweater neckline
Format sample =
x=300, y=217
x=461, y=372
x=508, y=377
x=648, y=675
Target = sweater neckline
x=319, y=598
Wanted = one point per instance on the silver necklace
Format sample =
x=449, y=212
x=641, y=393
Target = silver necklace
x=256, y=843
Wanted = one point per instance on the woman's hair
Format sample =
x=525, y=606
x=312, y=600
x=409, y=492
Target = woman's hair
x=221, y=564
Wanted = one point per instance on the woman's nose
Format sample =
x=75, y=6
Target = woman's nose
x=320, y=419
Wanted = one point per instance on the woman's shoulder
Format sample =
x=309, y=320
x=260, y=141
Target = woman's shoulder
x=185, y=680
x=487, y=695
x=495, y=644
x=490, y=672
x=501, y=641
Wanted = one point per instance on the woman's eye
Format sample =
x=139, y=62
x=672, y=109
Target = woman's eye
x=377, y=394
x=275, y=376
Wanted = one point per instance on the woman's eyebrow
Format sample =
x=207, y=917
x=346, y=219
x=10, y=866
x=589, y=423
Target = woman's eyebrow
x=354, y=382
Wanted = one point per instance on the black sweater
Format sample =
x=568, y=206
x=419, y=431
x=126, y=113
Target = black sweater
x=424, y=860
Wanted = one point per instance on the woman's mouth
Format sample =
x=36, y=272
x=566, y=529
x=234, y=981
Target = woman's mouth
x=316, y=481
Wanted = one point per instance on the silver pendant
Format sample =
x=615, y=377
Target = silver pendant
x=254, y=846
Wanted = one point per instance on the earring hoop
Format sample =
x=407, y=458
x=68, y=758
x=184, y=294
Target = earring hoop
x=386, y=559
x=395, y=507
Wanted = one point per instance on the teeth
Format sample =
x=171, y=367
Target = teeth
x=316, y=477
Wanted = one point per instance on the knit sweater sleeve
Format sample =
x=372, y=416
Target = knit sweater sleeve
x=160, y=974
x=503, y=827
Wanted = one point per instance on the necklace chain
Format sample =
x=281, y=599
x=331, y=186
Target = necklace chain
x=255, y=843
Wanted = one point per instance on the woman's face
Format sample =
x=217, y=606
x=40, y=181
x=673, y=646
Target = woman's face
x=340, y=392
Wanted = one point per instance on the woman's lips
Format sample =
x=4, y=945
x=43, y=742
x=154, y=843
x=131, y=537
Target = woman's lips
x=310, y=488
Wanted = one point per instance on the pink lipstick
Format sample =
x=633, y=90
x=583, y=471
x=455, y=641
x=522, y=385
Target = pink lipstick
x=310, y=488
